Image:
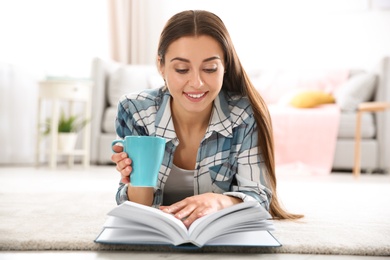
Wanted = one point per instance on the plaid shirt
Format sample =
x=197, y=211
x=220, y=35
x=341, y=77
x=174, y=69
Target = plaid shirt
x=228, y=160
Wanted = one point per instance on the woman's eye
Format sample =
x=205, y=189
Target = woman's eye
x=181, y=71
x=210, y=70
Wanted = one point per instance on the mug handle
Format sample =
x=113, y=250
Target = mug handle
x=115, y=142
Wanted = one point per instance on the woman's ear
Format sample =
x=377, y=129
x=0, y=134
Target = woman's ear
x=160, y=66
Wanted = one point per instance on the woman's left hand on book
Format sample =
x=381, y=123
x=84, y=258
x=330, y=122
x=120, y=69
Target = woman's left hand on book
x=197, y=206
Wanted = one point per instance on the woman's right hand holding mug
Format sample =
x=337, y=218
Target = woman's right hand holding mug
x=142, y=195
x=123, y=163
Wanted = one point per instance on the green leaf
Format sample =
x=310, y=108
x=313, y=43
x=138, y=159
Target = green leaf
x=66, y=124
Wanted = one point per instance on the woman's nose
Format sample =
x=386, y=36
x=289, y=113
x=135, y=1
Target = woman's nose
x=196, y=80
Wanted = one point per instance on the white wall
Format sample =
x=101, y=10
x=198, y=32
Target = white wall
x=60, y=37
x=285, y=33
x=57, y=38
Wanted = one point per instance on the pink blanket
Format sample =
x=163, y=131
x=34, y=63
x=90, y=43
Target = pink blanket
x=305, y=137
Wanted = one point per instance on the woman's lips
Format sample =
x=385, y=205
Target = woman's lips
x=195, y=97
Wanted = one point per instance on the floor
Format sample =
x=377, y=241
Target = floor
x=86, y=255
x=152, y=256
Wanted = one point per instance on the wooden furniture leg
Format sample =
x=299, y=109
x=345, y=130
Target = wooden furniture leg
x=364, y=107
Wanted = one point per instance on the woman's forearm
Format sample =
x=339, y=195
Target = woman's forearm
x=141, y=195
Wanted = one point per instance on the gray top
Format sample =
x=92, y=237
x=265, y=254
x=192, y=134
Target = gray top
x=179, y=185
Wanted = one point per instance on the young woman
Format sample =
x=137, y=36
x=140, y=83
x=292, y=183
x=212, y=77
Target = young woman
x=219, y=143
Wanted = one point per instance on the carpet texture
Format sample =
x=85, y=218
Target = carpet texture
x=65, y=210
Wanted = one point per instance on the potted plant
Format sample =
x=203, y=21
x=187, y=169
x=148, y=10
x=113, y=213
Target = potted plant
x=68, y=128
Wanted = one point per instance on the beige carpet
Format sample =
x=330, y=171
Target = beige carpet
x=42, y=209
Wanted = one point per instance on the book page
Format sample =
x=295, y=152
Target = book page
x=245, y=217
x=145, y=215
x=121, y=223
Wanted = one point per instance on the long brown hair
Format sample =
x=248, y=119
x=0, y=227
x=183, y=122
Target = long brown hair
x=199, y=22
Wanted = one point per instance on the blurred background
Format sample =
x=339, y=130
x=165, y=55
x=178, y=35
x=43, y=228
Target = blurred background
x=46, y=38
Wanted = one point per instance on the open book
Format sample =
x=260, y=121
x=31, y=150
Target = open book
x=244, y=224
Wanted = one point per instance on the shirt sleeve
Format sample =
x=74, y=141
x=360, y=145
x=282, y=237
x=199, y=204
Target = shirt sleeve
x=240, y=195
x=121, y=195
x=250, y=177
x=123, y=122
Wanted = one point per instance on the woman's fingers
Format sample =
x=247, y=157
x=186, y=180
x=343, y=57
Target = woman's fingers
x=117, y=148
x=198, y=213
x=184, y=210
x=123, y=163
x=188, y=213
x=125, y=180
x=197, y=206
x=116, y=157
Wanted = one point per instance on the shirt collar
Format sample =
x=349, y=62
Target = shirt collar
x=219, y=122
x=164, y=122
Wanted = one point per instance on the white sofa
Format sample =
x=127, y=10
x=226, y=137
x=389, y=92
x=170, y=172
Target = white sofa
x=113, y=79
x=375, y=127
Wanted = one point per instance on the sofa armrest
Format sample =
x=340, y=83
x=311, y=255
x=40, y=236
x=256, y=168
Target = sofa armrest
x=100, y=72
x=373, y=106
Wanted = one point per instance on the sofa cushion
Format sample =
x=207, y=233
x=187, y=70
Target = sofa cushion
x=359, y=88
x=347, y=126
x=311, y=98
x=130, y=78
x=273, y=85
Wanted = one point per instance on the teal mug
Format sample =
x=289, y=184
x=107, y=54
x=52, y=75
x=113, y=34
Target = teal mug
x=146, y=153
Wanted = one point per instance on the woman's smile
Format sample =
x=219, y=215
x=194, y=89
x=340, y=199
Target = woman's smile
x=195, y=97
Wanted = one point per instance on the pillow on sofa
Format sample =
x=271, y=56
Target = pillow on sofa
x=359, y=88
x=127, y=79
x=311, y=98
x=274, y=84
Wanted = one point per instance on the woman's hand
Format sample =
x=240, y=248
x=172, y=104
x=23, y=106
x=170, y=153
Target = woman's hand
x=194, y=207
x=122, y=163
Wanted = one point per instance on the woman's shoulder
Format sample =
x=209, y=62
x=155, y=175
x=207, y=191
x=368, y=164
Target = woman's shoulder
x=146, y=94
x=239, y=108
x=237, y=102
x=144, y=98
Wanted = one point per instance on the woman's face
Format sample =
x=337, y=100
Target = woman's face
x=193, y=72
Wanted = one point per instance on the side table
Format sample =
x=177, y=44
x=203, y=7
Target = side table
x=71, y=91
